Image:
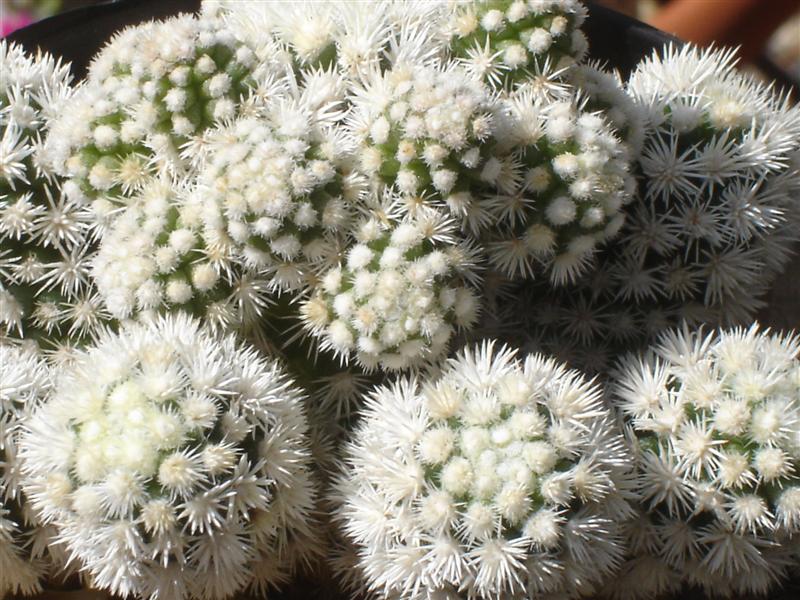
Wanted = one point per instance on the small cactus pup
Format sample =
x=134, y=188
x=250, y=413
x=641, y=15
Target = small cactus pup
x=45, y=294
x=498, y=478
x=716, y=424
x=174, y=464
x=400, y=294
x=154, y=88
x=26, y=554
x=506, y=43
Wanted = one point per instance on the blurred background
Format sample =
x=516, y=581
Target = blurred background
x=768, y=31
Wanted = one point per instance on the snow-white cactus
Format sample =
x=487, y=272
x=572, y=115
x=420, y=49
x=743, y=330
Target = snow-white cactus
x=719, y=186
x=400, y=295
x=173, y=464
x=499, y=478
x=158, y=256
x=281, y=185
x=508, y=43
x=25, y=559
x=151, y=90
x=341, y=36
x=558, y=183
x=716, y=423
x=424, y=130
x=44, y=247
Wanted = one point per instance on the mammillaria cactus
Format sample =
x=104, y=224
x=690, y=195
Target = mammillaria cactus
x=44, y=248
x=509, y=43
x=717, y=426
x=563, y=184
x=720, y=184
x=498, y=478
x=282, y=186
x=149, y=92
x=396, y=301
x=159, y=256
x=25, y=558
x=713, y=222
x=173, y=464
x=425, y=131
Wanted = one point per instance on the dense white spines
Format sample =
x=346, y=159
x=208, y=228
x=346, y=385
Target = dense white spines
x=399, y=295
x=173, y=464
x=499, y=478
x=507, y=43
x=151, y=90
x=44, y=248
x=716, y=425
x=425, y=130
x=25, y=381
x=282, y=188
x=720, y=181
x=351, y=38
x=557, y=190
x=160, y=256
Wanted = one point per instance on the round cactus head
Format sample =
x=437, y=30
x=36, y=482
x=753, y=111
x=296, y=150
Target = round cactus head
x=496, y=478
x=716, y=421
x=173, y=462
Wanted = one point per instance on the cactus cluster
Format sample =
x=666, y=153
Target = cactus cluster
x=424, y=214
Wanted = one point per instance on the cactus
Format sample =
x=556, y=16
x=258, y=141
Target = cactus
x=496, y=478
x=716, y=425
x=174, y=464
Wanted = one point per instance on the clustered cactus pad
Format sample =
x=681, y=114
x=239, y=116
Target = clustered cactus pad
x=423, y=214
x=717, y=428
x=498, y=478
x=173, y=463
